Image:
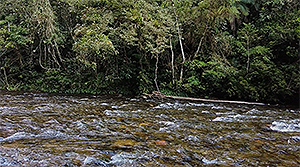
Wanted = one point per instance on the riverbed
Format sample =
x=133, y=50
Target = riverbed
x=39, y=129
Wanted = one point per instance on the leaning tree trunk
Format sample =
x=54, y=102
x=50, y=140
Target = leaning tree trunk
x=201, y=41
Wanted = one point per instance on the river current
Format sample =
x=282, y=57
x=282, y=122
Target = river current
x=38, y=129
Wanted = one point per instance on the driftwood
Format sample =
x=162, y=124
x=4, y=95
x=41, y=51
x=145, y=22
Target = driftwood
x=160, y=95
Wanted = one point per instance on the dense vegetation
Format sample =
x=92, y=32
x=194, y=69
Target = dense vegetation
x=233, y=49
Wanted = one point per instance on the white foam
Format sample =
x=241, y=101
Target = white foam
x=286, y=126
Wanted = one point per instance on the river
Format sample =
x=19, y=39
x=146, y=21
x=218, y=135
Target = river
x=38, y=129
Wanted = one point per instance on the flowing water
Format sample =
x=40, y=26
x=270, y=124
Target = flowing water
x=59, y=130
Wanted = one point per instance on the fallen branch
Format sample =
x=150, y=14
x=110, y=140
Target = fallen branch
x=214, y=101
x=160, y=95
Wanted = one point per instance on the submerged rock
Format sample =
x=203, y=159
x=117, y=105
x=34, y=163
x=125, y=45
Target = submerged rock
x=127, y=143
x=161, y=142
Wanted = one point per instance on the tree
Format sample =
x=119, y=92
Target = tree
x=14, y=37
x=46, y=34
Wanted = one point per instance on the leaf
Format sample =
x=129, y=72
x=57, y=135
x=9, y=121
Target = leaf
x=3, y=22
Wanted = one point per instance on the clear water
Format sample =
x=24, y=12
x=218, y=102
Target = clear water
x=58, y=130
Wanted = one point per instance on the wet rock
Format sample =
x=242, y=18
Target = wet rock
x=163, y=106
x=70, y=154
x=80, y=125
x=208, y=162
x=175, y=105
x=115, y=107
x=165, y=129
x=226, y=113
x=294, y=139
x=51, y=134
x=123, y=159
x=205, y=112
x=187, y=159
x=169, y=126
x=254, y=111
x=44, y=108
x=223, y=119
x=84, y=99
x=217, y=107
x=197, y=157
x=89, y=161
x=201, y=105
x=114, y=112
x=161, y=143
x=266, y=128
x=192, y=138
x=162, y=116
x=167, y=123
x=18, y=136
x=104, y=104
x=5, y=162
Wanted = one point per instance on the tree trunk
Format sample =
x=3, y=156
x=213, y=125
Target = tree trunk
x=181, y=46
x=162, y=96
x=156, y=69
x=5, y=76
x=248, y=54
x=172, y=62
x=200, y=43
x=299, y=47
x=214, y=101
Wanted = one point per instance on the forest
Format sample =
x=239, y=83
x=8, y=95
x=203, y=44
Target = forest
x=221, y=49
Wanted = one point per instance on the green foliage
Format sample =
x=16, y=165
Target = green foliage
x=145, y=82
x=234, y=49
x=12, y=36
